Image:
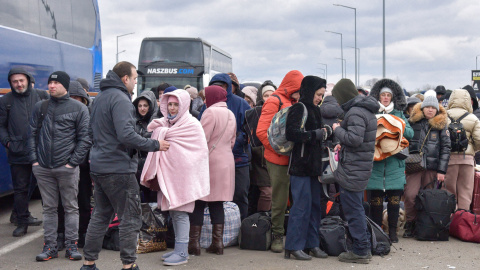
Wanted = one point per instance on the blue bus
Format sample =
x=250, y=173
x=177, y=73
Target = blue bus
x=179, y=61
x=44, y=36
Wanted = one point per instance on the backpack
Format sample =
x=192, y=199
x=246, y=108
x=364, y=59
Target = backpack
x=379, y=240
x=434, y=208
x=256, y=232
x=277, y=131
x=333, y=235
x=458, y=136
x=250, y=125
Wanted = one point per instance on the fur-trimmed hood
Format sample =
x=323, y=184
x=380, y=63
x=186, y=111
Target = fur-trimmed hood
x=438, y=122
x=398, y=94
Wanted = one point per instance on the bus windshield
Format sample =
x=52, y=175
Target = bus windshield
x=171, y=51
x=148, y=82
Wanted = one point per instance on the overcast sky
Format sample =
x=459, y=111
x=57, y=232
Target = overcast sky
x=427, y=42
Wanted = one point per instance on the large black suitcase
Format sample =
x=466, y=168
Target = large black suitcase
x=256, y=232
x=434, y=208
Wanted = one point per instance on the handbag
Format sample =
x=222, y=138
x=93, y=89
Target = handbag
x=415, y=162
x=465, y=226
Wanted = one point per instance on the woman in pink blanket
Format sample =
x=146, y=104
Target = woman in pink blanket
x=220, y=130
x=181, y=174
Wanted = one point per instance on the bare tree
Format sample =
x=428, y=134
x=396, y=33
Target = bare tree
x=371, y=82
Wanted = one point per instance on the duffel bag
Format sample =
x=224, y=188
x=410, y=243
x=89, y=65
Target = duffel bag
x=230, y=229
x=465, y=226
x=333, y=235
x=434, y=208
x=256, y=232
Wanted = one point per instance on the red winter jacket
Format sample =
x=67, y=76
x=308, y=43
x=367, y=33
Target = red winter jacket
x=290, y=84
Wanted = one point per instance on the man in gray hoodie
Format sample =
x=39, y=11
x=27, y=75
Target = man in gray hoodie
x=113, y=165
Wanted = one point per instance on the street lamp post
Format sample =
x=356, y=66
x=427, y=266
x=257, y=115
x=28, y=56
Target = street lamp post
x=326, y=71
x=343, y=60
x=341, y=45
x=356, y=65
x=383, y=39
x=117, y=43
x=476, y=60
x=358, y=71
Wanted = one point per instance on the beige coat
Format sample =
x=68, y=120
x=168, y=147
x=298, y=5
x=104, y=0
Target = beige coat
x=458, y=104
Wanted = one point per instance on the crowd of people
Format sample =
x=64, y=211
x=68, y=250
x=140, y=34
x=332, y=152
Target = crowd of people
x=185, y=149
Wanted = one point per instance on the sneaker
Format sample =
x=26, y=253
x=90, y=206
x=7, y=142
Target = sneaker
x=21, y=230
x=133, y=267
x=49, y=252
x=277, y=243
x=60, y=241
x=89, y=267
x=72, y=251
x=351, y=257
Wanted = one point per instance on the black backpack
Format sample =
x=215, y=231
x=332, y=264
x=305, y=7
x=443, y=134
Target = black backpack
x=333, y=235
x=434, y=208
x=458, y=136
x=250, y=125
x=380, y=242
x=256, y=232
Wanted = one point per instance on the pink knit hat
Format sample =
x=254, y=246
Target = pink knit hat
x=172, y=98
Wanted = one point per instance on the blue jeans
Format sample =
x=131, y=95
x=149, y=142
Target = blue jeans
x=352, y=206
x=305, y=214
x=115, y=193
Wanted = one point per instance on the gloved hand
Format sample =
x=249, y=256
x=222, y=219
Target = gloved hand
x=329, y=130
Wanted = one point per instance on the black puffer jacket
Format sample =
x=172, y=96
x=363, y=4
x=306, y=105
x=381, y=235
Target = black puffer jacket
x=437, y=146
x=357, y=134
x=306, y=158
x=63, y=137
x=113, y=127
x=14, y=122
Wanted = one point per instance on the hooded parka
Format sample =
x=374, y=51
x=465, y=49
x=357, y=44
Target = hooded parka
x=437, y=146
x=15, y=114
x=458, y=104
x=290, y=84
x=306, y=158
x=357, y=133
x=389, y=174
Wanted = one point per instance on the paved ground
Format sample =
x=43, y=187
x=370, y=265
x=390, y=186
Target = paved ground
x=19, y=253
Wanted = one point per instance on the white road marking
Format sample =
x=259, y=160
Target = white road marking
x=22, y=241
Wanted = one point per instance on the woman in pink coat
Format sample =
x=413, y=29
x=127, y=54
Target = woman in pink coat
x=220, y=127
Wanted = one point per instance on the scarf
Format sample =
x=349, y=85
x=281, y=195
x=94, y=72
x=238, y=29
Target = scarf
x=387, y=109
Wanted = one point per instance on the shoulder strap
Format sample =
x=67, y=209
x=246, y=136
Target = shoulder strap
x=280, y=100
x=9, y=101
x=460, y=118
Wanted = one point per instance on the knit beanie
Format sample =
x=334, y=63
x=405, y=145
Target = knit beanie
x=251, y=92
x=344, y=91
x=386, y=90
x=170, y=89
x=430, y=93
x=440, y=90
x=61, y=77
x=267, y=88
x=193, y=92
x=430, y=101
x=84, y=83
x=172, y=98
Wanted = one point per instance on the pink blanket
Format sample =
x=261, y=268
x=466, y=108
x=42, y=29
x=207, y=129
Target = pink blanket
x=182, y=171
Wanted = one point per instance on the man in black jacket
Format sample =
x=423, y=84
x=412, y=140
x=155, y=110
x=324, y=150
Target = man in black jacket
x=356, y=134
x=15, y=114
x=113, y=165
x=58, y=143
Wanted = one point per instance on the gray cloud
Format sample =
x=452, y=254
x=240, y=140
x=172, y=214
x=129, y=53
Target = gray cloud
x=428, y=41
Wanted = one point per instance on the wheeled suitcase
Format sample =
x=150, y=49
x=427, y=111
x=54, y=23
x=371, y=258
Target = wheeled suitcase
x=476, y=195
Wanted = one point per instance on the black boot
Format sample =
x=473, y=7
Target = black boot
x=21, y=230
x=376, y=210
x=298, y=254
x=393, y=211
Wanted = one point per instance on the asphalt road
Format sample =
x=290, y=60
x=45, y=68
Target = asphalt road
x=19, y=253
